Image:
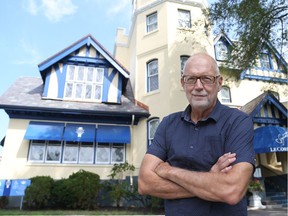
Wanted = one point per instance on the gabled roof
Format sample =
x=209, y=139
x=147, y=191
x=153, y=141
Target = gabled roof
x=24, y=100
x=253, y=108
x=223, y=35
x=89, y=41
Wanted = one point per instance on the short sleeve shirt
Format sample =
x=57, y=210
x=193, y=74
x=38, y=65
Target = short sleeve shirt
x=198, y=146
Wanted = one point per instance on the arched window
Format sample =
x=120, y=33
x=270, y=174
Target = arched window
x=152, y=75
x=183, y=59
x=225, y=94
x=152, y=126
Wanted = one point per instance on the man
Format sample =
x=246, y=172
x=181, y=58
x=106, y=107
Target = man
x=202, y=159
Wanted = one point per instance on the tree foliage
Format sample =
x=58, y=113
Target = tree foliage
x=252, y=22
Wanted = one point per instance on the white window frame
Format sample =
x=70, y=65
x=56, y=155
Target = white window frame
x=151, y=22
x=53, y=152
x=86, y=153
x=183, y=59
x=225, y=95
x=37, y=150
x=102, y=150
x=152, y=127
x=184, y=18
x=79, y=81
x=222, y=51
x=152, y=75
x=114, y=154
x=71, y=151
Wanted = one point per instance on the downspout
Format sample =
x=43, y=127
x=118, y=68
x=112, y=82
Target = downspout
x=131, y=176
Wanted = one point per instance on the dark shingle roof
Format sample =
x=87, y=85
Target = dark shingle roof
x=26, y=92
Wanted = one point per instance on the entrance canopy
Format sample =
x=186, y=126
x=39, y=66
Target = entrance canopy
x=270, y=139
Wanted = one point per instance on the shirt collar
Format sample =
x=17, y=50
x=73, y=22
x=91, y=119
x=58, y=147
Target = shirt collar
x=214, y=115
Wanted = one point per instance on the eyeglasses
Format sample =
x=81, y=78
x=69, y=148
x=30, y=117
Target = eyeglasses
x=203, y=79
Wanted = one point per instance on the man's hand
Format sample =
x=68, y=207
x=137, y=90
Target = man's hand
x=223, y=163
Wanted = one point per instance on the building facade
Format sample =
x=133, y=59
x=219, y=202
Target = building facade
x=116, y=102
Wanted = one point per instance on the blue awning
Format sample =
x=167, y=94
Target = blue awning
x=80, y=133
x=44, y=131
x=113, y=134
x=270, y=139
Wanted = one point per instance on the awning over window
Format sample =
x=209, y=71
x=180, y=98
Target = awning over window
x=113, y=134
x=270, y=139
x=80, y=133
x=44, y=131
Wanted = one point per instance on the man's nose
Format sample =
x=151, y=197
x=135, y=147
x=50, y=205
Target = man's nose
x=198, y=84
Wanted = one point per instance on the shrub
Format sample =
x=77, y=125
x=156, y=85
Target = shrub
x=79, y=191
x=3, y=202
x=37, y=195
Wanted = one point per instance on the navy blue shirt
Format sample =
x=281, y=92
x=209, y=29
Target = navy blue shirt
x=197, y=147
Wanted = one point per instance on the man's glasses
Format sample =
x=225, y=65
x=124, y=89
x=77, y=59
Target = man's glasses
x=203, y=79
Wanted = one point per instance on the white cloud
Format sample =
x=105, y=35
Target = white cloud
x=118, y=7
x=54, y=10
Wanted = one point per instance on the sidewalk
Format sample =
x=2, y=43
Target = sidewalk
x=268, y=212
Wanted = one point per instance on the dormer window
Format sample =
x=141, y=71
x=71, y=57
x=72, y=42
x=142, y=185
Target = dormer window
x=265, y=59
x=222, y=51
x=84, y=83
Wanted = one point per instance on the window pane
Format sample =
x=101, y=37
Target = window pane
x=183, y=60
x=37, y=151
x=90, y=72
x=225, y=95
x=88, y=92
x=265, y=61
x=184, y=20
x=80, y=75
x=70, y=73
x=98, y=92
x=152, y=22
x=79, y=88
x=117, y=154
x=153, y=68
x=70, y=153
x=99, y=75
x=103, y=154
x=153, y=83
x=68, y=90
x=86, y=153
x=53, y=153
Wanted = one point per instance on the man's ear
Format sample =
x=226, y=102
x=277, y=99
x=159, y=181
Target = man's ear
x=220, y=80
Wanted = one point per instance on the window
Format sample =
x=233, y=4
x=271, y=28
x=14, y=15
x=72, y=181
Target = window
x=152, y=127
x=71, y=152
x=37, y=151
x=183, y=60
x=152, y=75
x=53, y=152
x=84, y=83
x=266, y=61
x=184, y=19
x=151, y=22
x=222, y=52
x=225, y=94
x=117, y=153
x=42, y=151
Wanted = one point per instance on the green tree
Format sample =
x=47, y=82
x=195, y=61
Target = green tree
x=252, y=22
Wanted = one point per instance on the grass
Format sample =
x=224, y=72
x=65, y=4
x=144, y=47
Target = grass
x=123, y=211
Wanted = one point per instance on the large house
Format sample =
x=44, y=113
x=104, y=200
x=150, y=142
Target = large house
x=90, y=109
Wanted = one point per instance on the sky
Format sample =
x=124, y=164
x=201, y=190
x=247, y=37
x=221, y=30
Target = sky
x=34, y=30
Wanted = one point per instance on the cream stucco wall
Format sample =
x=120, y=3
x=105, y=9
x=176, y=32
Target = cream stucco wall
x=14, y=164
